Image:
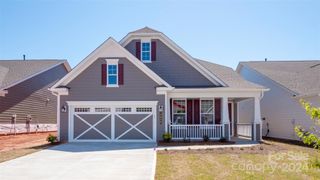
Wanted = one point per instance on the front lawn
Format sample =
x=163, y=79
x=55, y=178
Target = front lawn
x=272, y=160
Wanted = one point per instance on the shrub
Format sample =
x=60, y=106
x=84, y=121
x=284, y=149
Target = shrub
x=52, y=138
x=315, y=163
x=167, y=137
x=205, y=138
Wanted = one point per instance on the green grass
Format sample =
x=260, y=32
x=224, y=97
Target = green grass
x=274, y=161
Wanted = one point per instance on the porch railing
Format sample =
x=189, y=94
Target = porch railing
x=194, y=132
x=244, y=129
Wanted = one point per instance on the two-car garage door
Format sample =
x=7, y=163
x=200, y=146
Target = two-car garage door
x=112, y=121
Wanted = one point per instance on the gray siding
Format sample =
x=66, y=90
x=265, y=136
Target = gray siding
x=30, y=97
x=172, y=68
x=87, y=87
x=278, y=106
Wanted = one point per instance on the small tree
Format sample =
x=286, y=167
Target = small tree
x=310, y=136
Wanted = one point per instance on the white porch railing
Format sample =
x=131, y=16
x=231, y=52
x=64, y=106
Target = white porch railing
x=195, y=132
x=244, y=129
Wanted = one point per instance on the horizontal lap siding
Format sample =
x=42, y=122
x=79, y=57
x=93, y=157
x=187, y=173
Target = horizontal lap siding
x=172, y=68
x=280, y=109
x=30, y=97
x=87, y=87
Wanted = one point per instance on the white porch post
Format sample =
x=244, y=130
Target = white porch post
x=257, y=126
x=166, y=112
x=225, y=118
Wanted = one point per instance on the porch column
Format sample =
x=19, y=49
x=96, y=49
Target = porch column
x=225, y=118
x=257, y=127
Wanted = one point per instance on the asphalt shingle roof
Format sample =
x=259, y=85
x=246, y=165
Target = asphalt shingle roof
x=12, y=71
x=228, y=76
x=301, y=77
x=145, y=30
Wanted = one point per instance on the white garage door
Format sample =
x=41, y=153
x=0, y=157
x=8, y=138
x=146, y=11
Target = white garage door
x=112, y=121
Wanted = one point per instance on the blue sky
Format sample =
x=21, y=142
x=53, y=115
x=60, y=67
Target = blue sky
x=219, y=31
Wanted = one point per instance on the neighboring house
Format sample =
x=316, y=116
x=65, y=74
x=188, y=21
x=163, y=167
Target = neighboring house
x=145, y=85
x=288, y=81
x=24, y=94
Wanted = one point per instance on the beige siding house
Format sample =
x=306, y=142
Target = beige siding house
x=288, y=81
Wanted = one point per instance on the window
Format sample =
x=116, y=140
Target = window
x=142, y=109
x=179, y=111
x=146, y=51
x=207, y=112
x=82, y=109
x=124, y=109
x=112, y=72
x=102, y=109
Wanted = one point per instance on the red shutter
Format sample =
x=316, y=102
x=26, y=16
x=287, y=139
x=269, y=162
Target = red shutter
x=103, y=74
x=196, y=111
x=138, y=49
x=120, y=75
x=189, y=111
x=217, y=110
x=171, y=111
x=153, y=51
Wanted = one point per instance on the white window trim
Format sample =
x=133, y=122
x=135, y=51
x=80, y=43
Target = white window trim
x=185, y=112
x=213, y=112
x=146, y=41
x=112, y=62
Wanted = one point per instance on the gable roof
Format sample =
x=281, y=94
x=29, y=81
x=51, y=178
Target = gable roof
x=145, y=30
x=300, y=77
x=13, y=72
x=154, y=34
x=229, y=76
x=109, y=48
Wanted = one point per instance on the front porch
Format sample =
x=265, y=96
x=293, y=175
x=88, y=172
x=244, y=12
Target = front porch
x=195, y=116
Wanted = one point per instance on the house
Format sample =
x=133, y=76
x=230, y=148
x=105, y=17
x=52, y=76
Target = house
x=145, y=85
x=288, y=81
x=26, y=104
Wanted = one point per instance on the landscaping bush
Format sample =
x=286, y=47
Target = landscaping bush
x=223, y=140
x=205, y=138
x=167, y=137
x=52, y=138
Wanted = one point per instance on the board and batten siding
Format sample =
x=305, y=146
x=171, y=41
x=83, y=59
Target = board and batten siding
x=280, y=109
x=87, y=86
x=172, y=68
x=32, y=97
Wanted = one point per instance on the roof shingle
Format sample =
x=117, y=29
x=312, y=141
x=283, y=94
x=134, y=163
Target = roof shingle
x=12, y=71
x=301, y=77
x=229, y=76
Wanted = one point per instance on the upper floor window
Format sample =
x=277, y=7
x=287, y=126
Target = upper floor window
x=112, y=75
x=146, y=51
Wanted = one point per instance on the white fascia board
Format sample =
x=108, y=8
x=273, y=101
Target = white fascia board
x=178, y=50
x=112, y=103
x=59, y=91
x=3, y=92
x=109, y=48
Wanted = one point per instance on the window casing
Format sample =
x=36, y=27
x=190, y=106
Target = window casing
x=112, y=72
x=146, y=51
x=179, y=111
x=207, y=111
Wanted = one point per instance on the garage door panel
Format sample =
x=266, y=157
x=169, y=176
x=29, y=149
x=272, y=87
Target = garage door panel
x=133, y=135
x=104, y=122
x=92, y=134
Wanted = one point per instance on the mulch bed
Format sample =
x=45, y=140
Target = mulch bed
x=193, y=143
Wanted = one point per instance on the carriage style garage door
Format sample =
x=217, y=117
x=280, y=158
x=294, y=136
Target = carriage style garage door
x=112, y=121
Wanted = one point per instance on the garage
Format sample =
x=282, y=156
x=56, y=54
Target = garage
x=112, y=121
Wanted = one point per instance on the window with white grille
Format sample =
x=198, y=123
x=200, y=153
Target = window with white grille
x=123, y=109
x=102, y=109
x=144, y=109
x=86, y=109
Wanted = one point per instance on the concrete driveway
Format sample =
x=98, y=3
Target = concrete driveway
x=84, y=161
